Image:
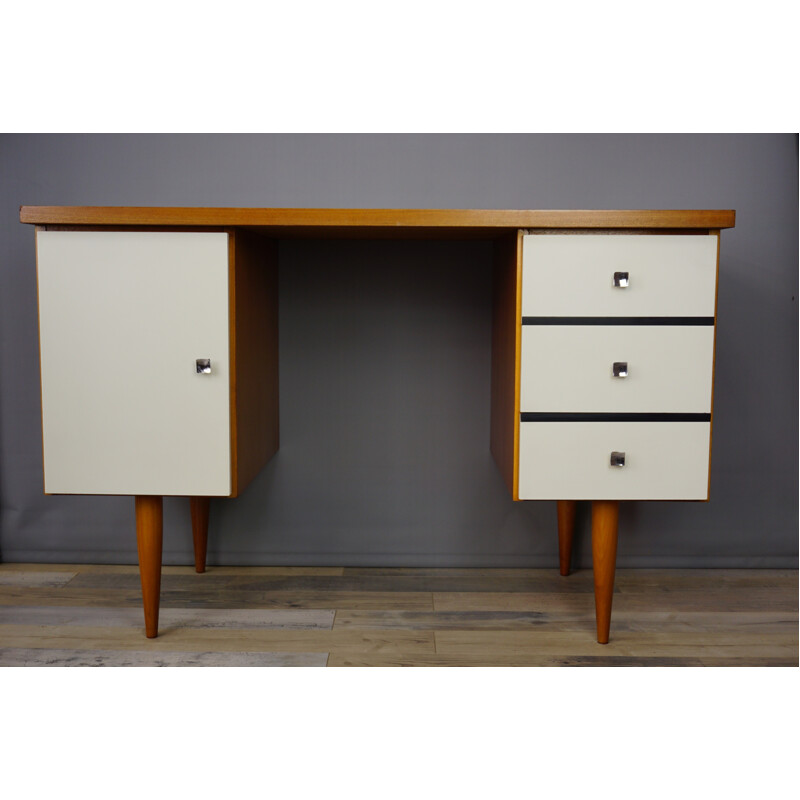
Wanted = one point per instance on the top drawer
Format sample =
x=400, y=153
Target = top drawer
x=572, y=275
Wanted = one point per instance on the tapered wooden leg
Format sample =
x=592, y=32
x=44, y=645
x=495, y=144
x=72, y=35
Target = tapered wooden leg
x=566, y=528
x=199, y=506
x=605, y=515
x=149, y=527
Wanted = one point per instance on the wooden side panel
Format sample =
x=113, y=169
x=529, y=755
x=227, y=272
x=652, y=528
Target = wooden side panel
x=254, y=354
x=713, y=364
x=506, y=332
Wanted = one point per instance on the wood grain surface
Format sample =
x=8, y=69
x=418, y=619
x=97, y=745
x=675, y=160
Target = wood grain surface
x=73, y=615
x=35, y=578
x=253, y=311
x=372, y=218
x=506, y=323
x=23, y=657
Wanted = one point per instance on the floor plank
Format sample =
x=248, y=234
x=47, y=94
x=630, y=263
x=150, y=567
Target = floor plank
x=39, y=578
x=622, y=643
x=690, y=600
x=516, y=660
x=187, y=569
x=29, y=657
x=655, y=621
x=284, y=619
x=697, y=579
x=72, y=596
x=529, y=660
x=215, y=639
x=748, y=660
x=26, y=567
x=533, y=574
x=211, y=581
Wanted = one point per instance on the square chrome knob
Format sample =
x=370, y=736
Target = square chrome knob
x=617, y=459
x=621, y=280
x=203, y=366
x=619, y=369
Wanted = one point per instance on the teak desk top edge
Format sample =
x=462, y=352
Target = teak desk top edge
x=377, y=218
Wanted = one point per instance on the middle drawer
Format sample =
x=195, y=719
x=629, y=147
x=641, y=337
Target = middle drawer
x=569, y=368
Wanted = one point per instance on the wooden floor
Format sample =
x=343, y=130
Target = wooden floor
x=67, y=615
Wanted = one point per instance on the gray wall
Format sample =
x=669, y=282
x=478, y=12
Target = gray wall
x=385, y=355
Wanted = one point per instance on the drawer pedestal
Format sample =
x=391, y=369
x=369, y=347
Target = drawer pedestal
x=615, y=354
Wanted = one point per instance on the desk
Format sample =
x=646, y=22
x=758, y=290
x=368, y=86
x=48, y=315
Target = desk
x=159, y=355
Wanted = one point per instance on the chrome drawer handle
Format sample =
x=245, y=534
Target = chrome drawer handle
x=617, y=459
x=203, y=366
x=621, y=280
x=619, y=369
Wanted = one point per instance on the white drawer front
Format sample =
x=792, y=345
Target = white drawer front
x=568, y=368
x=570, y=460
x=571, y=275
x=123, y=318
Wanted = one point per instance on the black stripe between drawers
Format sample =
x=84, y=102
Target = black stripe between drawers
x=618, y=320
x=547, y=416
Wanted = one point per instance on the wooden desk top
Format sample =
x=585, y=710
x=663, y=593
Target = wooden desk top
x=368, y=221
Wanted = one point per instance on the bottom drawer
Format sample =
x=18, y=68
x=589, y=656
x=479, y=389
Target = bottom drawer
x=571, y=460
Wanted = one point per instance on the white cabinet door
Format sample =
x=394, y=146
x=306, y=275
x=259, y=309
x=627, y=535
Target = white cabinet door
x=123, y=318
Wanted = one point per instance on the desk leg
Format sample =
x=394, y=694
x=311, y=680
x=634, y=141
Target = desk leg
x=199, y=506
x=149, y=527
x=566, y=529
x=605, y=515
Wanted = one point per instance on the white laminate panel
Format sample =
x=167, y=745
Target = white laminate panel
x=570, y=460
x=123, y=317
x=567, y=275
x=568, y=368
